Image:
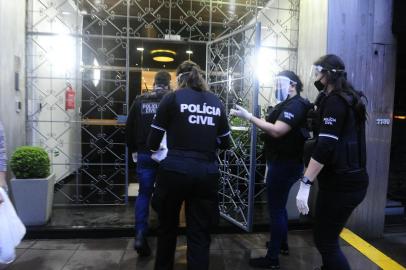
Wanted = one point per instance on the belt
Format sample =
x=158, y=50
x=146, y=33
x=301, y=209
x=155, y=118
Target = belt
x=192, y=154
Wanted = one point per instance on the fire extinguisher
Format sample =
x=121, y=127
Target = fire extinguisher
x=69, y=97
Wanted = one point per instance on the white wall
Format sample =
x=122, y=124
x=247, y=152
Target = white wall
x=12, y=34
x=53, y=60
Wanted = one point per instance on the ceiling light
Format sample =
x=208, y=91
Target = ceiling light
x=189, y=52
x=163, y=55
x=140, y=49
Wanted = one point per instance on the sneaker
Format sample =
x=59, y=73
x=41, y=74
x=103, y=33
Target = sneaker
x=141, y=245
x=264, y=262
x=284, y=248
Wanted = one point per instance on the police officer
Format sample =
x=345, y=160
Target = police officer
x=139, y=122
x=285, y=135
x=338, y=160
x=195, y=123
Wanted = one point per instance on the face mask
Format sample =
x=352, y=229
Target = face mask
x=319, y=85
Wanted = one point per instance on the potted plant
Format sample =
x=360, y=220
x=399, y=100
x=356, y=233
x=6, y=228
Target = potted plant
x=33, y=185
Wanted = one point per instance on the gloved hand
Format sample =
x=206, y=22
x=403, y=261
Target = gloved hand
x=241, y=112
x=302, y=198
x=134, y=156
x=161, y=153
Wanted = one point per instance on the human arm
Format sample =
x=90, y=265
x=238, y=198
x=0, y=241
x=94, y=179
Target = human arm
x=333, y=118
x=3, y=160
x=161, y=122
x=276, y=130
x=131, y=127
x=223, y=131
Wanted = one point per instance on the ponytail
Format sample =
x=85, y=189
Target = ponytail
x=190, y=75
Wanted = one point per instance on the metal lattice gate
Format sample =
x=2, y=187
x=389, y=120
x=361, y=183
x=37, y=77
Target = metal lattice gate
x=87, y=44
x=231, y=75
x=240, y=69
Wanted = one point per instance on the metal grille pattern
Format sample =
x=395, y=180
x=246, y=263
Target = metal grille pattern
x=240, y=68
x=231, y=75
x=88, y=43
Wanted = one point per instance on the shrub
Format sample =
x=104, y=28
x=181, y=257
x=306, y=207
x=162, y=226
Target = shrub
x=30, y=162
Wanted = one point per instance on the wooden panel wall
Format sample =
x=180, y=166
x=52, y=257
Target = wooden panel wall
x=359, y=31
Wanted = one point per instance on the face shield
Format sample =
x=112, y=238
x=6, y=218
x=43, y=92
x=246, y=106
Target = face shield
x=316, y=71
x=282, y=86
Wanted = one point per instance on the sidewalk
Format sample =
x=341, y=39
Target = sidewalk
x=228, y=252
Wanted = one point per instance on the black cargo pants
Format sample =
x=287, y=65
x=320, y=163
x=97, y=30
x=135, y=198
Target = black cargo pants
x=195, y=182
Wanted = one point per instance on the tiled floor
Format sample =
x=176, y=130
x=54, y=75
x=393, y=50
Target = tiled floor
x=228, y=252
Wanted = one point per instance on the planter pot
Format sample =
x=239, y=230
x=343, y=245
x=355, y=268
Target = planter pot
x=33, y=199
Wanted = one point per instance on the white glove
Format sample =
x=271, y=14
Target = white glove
x=302, y=197
x=161, y=153
x=241, y=112
x=134, y=155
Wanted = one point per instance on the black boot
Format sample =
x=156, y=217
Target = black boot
x=284, y=249
x=264, y=262
x=141, y=245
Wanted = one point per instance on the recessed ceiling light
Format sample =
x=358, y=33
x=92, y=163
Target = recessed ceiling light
x=163, y=55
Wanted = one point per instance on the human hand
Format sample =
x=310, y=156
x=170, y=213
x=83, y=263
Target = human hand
x=302, y=198
x=160, y=155
x=5, y=188
x=241, y=113
x=134, y=156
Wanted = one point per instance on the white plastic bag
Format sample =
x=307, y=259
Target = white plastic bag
x=12, y=230
x=160, y=155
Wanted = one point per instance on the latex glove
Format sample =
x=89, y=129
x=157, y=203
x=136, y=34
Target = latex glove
x=302, y=198
x=160, y=155
x=241, y=112
x=134, y=156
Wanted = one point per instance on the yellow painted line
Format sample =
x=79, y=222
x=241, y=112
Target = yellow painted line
x=370, y=251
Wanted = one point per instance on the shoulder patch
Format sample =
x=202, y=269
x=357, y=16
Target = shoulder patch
x=288, y=115
x=149, y=108
x=330, y=121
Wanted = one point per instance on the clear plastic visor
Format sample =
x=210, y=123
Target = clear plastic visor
x=282, y=85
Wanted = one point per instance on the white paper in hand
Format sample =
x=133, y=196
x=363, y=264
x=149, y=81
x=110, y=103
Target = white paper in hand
x=160, y=155
x=12, y=230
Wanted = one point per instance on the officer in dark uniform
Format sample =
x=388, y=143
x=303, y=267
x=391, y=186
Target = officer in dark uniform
x=195, y=123
x=286, y=132
x=338, y=160
x=139, y=122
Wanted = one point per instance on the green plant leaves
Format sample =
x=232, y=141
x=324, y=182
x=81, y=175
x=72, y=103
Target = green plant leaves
x=30, y=162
